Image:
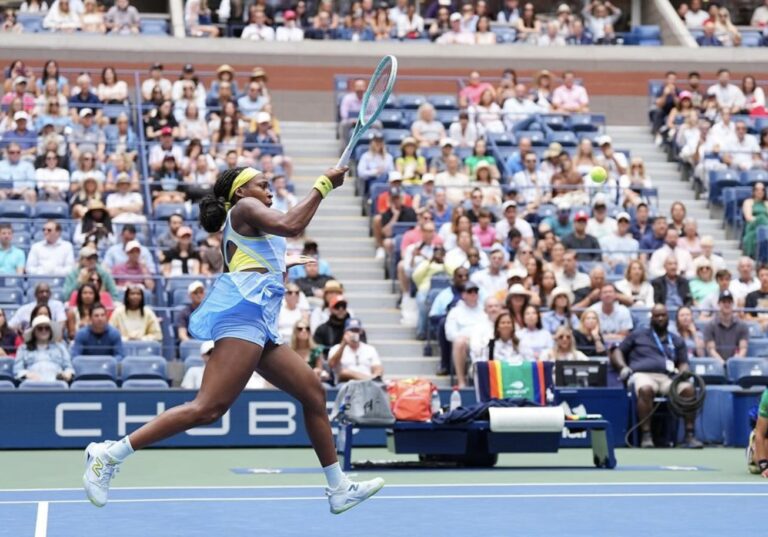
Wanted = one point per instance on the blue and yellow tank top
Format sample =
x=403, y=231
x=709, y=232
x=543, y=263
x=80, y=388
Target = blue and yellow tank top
x=253, y=252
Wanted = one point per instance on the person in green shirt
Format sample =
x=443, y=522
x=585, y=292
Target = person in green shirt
x=479, y=154
x=704, y=284
x=757, y=452
x=89, y=261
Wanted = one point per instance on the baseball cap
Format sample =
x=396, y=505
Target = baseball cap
x=470, y=285
x=166, y=131
x=122, y=177
x=194, y=286
x=455, y=17
x=156, y=65
x=507, y=204
x=289, y=14
x=336, y=300
x=206, y=347
x=428, y=178
x=20, y=80
x=87, y=251
x=725, y=295
x=263, y=117
x=581, y=215
x=132, y=245
x=188, y=68
x=516, y=273
x=623, y=216
x=333, y=286
x=447, y=142
x=86, y=112
x=21, y=114
x=518, y=289
x=563, y=205
x=184, y=230
x=564, y=8
x=599, y=199
x=394, y=176
x=604, y=140
x=685, y=95
x=353, y=324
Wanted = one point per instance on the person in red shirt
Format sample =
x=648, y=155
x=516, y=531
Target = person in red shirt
x=471, y=93
x=134, y=270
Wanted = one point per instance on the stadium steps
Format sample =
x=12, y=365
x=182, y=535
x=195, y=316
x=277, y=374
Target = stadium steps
x=666, y=177
x=344, y=240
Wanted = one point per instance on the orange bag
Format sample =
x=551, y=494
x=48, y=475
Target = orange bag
x=411, y=399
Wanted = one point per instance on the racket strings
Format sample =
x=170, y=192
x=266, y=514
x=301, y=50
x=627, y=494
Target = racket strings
x=377, y=89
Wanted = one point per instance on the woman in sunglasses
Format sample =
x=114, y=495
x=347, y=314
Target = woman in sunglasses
x=40, y=358
x=295, y=308
x=302, y=342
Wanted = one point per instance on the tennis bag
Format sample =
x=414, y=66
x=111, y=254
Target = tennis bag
x=411, y=399
x=362, y=402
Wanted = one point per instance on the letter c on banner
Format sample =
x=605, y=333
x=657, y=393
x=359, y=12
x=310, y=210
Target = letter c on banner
x=62, y=431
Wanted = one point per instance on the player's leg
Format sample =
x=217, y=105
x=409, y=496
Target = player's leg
x=286, y=370
x=231, y=364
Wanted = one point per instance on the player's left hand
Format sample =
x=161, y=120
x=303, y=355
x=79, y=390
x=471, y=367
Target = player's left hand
x=336, y=175
x=296, y=260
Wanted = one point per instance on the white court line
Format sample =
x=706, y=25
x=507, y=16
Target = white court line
x=419, y=485
x=41, y=524
x=407, y=497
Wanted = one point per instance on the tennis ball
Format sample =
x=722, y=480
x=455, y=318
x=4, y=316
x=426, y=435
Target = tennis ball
x=598, y=175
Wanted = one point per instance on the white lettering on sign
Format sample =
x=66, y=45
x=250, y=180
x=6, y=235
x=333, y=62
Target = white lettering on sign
x=62, y=408
x=285, y=424
x=123, y=418
x=222, y=430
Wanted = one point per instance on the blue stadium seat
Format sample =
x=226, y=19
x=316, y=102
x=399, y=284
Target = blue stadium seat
x=112, y=111
x=446, y=117
x=52, y=281
x=22, y=239
x=711, y=370
x=6, y=369
x=751, y=39
x=180, y=297
x=193, y=361
x=504, y=34
x=391, y=119
x=443, y=102
x=93, y=385
x=754, y=176
x=747, y=372
x=95, y=368
x=411, y=101
x=537, y=137
x=718, y=180
x=439, y=282
x=7, y=385
x=556, y=122
x=51, y=209
x=755, y=330
x=502, y=139
x=762, y=244
x=564, y=138
x=395, y=136
x=758, y=347
x=166, y=210
x=12, y=296
x=392, y=102
x=143, y=367
x=41, y=385
x=15, y=209
x=189, y=348
x=32, y=22
x=587, y=122
x=145, y=384
x=156, y=27
x=142, y=348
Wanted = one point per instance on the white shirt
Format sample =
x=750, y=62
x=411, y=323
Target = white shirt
x=695, y=19
x=600, y=230
x=656, y=264
x=644, y=296
x=287, y=320
x=118, y=200
x=20, y=319
x=148, y=85
x=522, y=225
x=579, y=281
x=255, y=32
x=618, y=249
x=289, y=34
x=462, y=320
x=515, y=110
x=360, y=360
x=490, y=283
x=405, y=25
x=466, y=138
x=58, y=177
x=534, y=342
x=619, y=320
x=723, y=134
x=740, y=289
x=743, y=151
x=51, y=259
x=729, y=96
x=530, y=185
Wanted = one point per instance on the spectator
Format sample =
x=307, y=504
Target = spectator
x=559, y=302
x=755, y=211
x=51, y=256
x=322, y=313
x=376, y=162
x=654, y=238
x=290, y=30
x=95, y=228
x=87, y=137
x=634, y=290
x=8, y=337
x=615, y=319
x=122, y=18
x=725, y=30
x=466, y=317
x=483, y=34
x=590, y=294
x=754, y=96
x=156, y=79
x=760, y=16
x=331, y=332
x=657, y=264
x=133, y=319
x=686, y=329
x=23, y=316
x=20, y=91
x=528, y=26
x=357, y=30
x=726, y=336
x=295, y=309
x=52, y=180
x=125, y=205
x=619, y=248
x=11, y=258
x=40, y=358
x=695, y=17
x=198, y=19
x=487, y=113
x=601, y=225
x=613, y=161
x=351, y=358
x=709, y=304
x=564, y=349
x=588, y=336
x=62, y=18
x=600, y=18
x=22, y=135
x=746, y=282
x=552, y=36
x=442, y=23
x=580, y=240
x=456, y=35
x=758, y=299
x=729, y=96
x=196, y=292
x=183, y=258
x=578, y=35
x=133, y=270
x=492, y=279
x=19, y=172
x=426, y=130
x=258, y=29
x=511, y=221
x=168, y=239
x=193, y=377
x=646, y=359
x=349, y=108
x=471, y=93
x=570, y=277
x=98, y=338
x=118, y=254
x=703, y=284
x=383, y=224
x=672, y=289
x=520, y=106
x=743, y=151
x=313, y=283
x=689, y=240
x=534, y=339
x=509, y=12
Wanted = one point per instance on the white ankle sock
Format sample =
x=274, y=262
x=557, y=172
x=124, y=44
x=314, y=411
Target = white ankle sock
x=334, y=475
x=120, y=449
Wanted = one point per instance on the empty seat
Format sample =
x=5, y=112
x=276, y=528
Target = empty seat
x=180, y=297
x=564, y=138
x=503, y=139
x=758, y=347
x=145, y=384
x=42, y=385
x=7, y=385
x=189, y=348
x=747, y=372
x=95, y=368
x=443, y=102
x=11, y=295
x=193, y=361
x=165, y=210
x=142, y=348
x=15, y=209
x=411, y=101
x=51, y=209
x=6, y=369
x=93, y=385
x=711, y=370
x=144, y=367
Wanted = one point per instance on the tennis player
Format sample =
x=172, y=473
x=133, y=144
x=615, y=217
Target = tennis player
x=757, y=452
x=240, y=315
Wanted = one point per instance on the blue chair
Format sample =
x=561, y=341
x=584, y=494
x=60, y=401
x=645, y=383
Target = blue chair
x=6, y=369
x=156, y=27
x=41, y=385
x=392, y=102
x=395, y=136
x=718, y=180
x=754, y=176
x=166, y=210
x=748, y=372
x=762, y=244
x=145, y=384
x=51, y=209
x=7, y=385
x=443, y=102
x=391, y=119
x=180, y=297
x=93, y=385
x=504, y=35
x=32, y=22
x=711, y=370
x=95, y=368
x=15, y=209
x=144, y=367
x=755, y=331
x=193, y=361
x=142, y=348
x=502, y=139
x=411, y=101
x=12, y=296
x=537, y=137
x=556, y=122
x=564, y=138
x=446, y=117
x=586, y=123
x=751, y=39
x=758, y=347
x=439, y=282
x=189, y=348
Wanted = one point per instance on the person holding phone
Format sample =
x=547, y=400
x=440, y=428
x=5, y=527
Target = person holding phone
x=352, y=359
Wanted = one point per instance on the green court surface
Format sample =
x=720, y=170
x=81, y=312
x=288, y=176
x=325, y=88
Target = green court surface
x=298, y=466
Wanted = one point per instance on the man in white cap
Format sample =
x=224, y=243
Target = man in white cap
x=620, y=247
x=437, y=164
x=196, y=291
x=456, y=35
x=87, y=136
x=615, y=163
x=600, y=224
x=22, y=135
x=20, y=172
x=88, y=265
x=134, y=270
x=124, y=205
x=193, y=377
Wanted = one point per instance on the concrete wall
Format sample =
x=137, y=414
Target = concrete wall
x=301, y=74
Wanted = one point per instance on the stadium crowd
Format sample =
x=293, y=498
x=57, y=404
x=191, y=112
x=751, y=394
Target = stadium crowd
x=713, y=25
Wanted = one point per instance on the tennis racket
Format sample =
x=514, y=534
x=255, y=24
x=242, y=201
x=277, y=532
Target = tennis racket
x=374, y=100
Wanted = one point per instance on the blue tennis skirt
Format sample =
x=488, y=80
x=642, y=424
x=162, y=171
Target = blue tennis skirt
x=243, y=305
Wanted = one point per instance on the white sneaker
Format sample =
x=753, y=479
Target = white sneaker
x=350, y=493
x=752, y=467
x=100, y=468
x=381, y=253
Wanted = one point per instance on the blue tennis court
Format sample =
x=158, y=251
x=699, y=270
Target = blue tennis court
x=574, y=509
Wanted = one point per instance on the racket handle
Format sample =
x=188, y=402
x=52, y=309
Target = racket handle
x=344, y=157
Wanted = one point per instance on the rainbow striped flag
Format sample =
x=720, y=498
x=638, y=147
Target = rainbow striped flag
x=502, y=380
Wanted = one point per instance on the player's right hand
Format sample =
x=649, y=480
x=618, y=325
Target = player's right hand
x=336, y=175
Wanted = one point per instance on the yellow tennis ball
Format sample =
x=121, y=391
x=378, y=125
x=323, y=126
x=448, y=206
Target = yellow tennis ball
x=598, y=175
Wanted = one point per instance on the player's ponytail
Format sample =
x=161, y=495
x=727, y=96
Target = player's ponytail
x=213, y=208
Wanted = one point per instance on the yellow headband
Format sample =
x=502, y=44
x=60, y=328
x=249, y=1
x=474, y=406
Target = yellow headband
x=242, y=178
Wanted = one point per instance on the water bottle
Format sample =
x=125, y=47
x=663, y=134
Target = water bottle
x=455, y=398
x=436, y=407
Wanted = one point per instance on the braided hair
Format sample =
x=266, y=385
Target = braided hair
x=213, y=211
